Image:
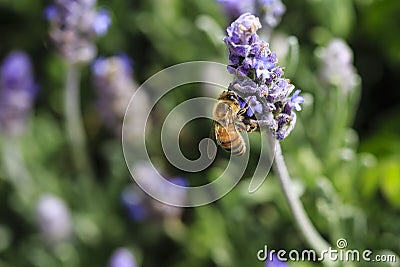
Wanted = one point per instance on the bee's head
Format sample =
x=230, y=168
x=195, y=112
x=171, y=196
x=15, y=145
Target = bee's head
x=229, y=96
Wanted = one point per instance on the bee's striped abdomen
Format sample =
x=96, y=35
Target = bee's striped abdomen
x=230, y=140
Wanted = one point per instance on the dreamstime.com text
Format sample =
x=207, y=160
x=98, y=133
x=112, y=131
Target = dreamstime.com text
x=330, y=254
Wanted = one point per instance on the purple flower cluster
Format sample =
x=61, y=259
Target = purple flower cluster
x=74, y=25
x=114, y=84
x=259, y=80
x=141, y=206
x=17, y=92
x=270, y=11
x=112, y=79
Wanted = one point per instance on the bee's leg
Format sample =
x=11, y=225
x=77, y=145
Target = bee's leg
x=240, y=126
x=251, y=125
x=244, y=109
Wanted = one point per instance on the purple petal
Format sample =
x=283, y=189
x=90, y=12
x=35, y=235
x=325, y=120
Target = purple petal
x=102, y=22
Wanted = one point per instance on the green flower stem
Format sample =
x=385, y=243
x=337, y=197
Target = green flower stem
x=74, y=126
x=16, y=170
x=293, y=56
x=266, y=33
x=306, y=227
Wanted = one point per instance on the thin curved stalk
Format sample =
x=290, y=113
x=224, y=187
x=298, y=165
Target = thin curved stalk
x=306, y=227
x=18, y=174
x=74, y=125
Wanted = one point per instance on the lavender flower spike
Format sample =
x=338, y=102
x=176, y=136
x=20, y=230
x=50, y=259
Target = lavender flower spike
x=73, y=26
x=17, y=92
x=258, y=80
x=337, y=67
x=112, y=78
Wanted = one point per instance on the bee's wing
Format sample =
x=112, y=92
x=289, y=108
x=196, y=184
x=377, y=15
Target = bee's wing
x=229, y=119
x=212, y=136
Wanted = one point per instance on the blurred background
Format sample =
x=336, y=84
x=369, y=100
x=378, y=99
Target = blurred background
x=57, y=209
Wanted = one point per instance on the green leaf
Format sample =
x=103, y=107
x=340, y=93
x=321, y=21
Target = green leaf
x=369, y=182
x=390, y=182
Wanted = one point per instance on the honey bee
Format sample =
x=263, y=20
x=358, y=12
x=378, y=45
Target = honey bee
x=229, y=122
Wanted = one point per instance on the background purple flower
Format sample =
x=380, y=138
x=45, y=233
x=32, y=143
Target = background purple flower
x=53, y=219
x=234, y=8
x=73, y=26
x=134, y=202
x=141, y=206
x=17, y=92
x=114, y=86
x=102, y=22
x=337, y=67
x=122, y=257
x=270, y=11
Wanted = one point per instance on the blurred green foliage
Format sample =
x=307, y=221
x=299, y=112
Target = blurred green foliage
x=350, y=187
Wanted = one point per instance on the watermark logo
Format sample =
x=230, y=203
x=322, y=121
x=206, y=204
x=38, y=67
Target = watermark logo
x=339, y=254
x=169, y=81
x=341, y=243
